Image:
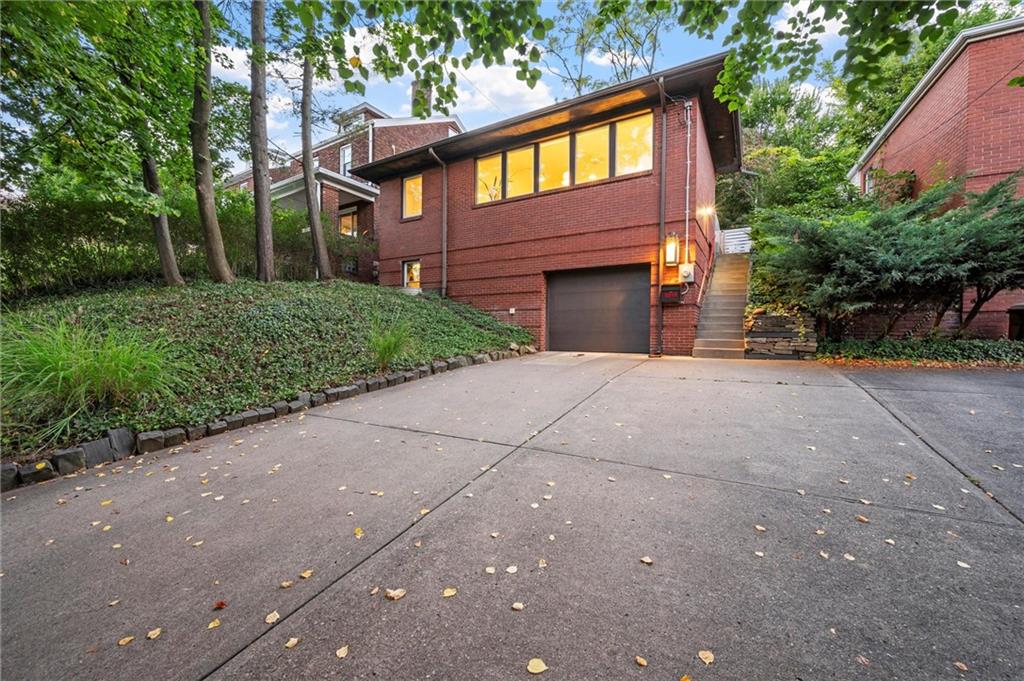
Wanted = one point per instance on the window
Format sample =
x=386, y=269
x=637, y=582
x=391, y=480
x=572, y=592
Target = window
x=618, y=148
x=346, y=159
x=519, y=172
x=592, y=154
x=554, y=164
x=488, y=178
x=634, y=144
x=347, y=223
x=411, y=274
x=412, y=196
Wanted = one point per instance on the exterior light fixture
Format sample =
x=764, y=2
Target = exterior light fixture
x=672, y=249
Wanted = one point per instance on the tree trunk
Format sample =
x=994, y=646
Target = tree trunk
x=202, y=165
x=168, y=263
x=258, y=143
x=940, y=312
x=979, y=301
x=323, y=262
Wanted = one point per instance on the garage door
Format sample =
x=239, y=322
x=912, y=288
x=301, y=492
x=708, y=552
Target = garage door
x=600, y=310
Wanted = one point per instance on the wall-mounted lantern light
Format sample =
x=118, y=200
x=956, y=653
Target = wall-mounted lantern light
x=672, y=249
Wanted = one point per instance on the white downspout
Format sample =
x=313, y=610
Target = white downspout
x=689, y=126
x=370, y=152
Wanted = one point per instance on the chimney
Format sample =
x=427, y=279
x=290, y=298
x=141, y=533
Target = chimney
x=428, y=92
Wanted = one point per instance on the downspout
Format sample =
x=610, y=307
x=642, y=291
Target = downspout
x=369, y=143
x=444, y=222
x=659, y=345
x=689, y=127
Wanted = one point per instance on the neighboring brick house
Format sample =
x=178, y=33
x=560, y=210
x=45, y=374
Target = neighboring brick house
x=365, y=133
x=558, y=219
x=961, y=119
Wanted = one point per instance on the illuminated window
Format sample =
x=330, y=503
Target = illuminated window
x=554, y=164
x=488, y=178
x=411, y=274
x=347, y=225
x=519, y=172
x=412, y=196
x=592, y=154
x=634, y=144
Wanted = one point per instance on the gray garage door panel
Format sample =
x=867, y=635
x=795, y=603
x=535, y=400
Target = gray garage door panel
x=600, y=310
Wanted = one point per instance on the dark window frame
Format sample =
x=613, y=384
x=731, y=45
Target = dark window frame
x=612, y=153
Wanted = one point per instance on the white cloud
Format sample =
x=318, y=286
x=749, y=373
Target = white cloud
x=231, y=63
x=599, y=58
x=277, y=103
x=490, y=88
x=825, y=94
x=789, y=11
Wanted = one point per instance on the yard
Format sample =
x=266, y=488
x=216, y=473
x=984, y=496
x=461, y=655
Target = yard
x=217, y=350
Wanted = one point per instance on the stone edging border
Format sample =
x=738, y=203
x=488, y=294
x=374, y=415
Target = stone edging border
x=121, y=443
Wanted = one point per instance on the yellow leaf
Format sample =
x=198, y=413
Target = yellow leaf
x=960, y=665
x=358, y=532
x=41, y=465
x=706, y=656
x=355, y=61
x=394, y=594
x=341, y=652
x=517, y=606
x=862, y=519
x=449, y=592
x=106, y=528
x=286, y=584
x=685, y=677
x=126, y=640
x=424, y=511
x=272, y=617
x=292, y=642
x=641, y=662
x=306, y=574
x=106, y=502
x=153, y=634
x=169, y=518
x=214, y=624
x=536, y=666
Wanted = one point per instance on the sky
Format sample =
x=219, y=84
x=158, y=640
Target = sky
x=486, y=94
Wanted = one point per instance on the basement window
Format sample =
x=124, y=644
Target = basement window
x=412, y=196
x=411, y=274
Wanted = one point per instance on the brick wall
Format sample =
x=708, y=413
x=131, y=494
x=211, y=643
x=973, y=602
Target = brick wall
x=969, y=122
x=499, y=252
x=389, y=140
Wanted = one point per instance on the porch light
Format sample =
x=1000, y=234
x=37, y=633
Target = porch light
x=672, y=249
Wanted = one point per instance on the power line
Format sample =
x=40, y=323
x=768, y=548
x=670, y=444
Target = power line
x=482, y=93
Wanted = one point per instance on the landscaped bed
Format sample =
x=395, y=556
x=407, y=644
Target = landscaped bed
x=212, y=350
x=924, y=352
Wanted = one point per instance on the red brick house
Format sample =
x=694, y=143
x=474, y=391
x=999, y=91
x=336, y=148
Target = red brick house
x=572, y=220
x=961, y=119
x=365, y=133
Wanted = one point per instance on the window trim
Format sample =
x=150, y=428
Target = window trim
x=419, y=215
x=341, y=159
x=405, y=280
x=611, y=124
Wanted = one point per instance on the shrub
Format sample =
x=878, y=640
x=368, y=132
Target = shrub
x=389, y=343
x=55, y=371
x=933, y=349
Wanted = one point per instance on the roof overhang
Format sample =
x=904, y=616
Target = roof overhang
x=350, y=188
x=695, y=79
x=948, y=56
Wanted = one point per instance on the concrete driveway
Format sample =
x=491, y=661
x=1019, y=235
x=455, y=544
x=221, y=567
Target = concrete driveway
x=800, y=524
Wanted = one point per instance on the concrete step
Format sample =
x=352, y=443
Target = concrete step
x=720, y=334
x=721, y=343
x=720, y=326
x=716, y=353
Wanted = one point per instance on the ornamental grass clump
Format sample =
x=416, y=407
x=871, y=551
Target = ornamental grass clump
x=388, y=343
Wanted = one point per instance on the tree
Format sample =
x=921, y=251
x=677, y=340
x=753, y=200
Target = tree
x=781, y=113
x=199, y=134
x=785, y=36
x=323, y=261
x=258, y=143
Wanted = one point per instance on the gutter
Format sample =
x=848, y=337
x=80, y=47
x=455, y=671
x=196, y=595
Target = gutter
x=948, y=56
x=444, y=222
x=659, y=345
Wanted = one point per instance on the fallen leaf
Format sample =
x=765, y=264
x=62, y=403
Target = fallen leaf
x=169, y=518
x=511, y=569
x=910, y=476
x=865, y=502
x=394, y=594
x=153, y=634
x=542, y=563
x=685, y=677
x=272, y=617
x=938, y=508
x=287, y=584
x=495, y=535
x=214, y=624
x=536, y=666
x=424, y=511
x=341, y=652
x=823, y=554
x=449, y=592
x=490, y=569
x=960, y=665
x=863, y=660
x=358, y=532
x=113, y=603
x=759, y=554
x=125, y=641
x=108, y=502
x=292, y=642
x=611, y=479
x=862, y=519
x=760, y=528
x=706, y=656
x=890, y=542
x=374, y=591
x=849, y=556
x=641, y=662
x=306, y=574
x=647, y=560
x=517, y=606
x=962, y=564
x=220, y=605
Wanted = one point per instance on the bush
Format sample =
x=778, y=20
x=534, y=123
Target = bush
x=934, y=349
x=389, y=343
x=54, y=371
